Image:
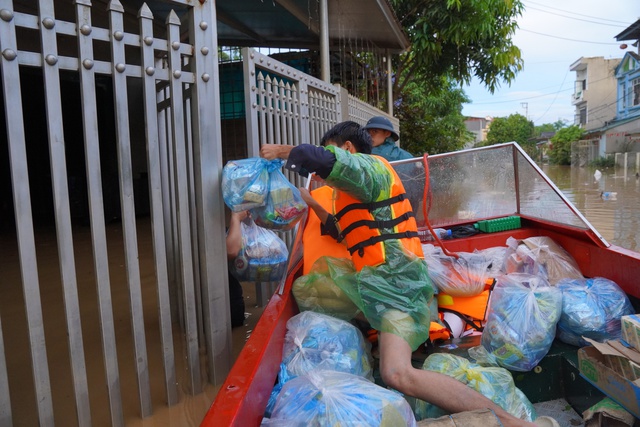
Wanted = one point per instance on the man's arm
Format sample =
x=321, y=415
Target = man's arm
x=234, y=234
x=328, y=221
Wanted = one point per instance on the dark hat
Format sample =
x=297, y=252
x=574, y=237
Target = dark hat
x=380, y=122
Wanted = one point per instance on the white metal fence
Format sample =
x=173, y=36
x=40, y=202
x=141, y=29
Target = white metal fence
x=149, y=77
x=151, y=97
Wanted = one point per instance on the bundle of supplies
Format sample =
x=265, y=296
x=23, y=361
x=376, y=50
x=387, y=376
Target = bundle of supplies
x=464, y=276
x=541, y=256
x=331, y=398
x=245, y=183
x=591, y=308
x=284, y=206
x=495, y=383
x=317, y=341
x=317, y=290
x=263, y=256
x=521, y=323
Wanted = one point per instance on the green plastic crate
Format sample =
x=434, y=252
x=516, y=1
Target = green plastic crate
x=498, y=224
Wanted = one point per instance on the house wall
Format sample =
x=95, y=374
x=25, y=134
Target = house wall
x=600, y=94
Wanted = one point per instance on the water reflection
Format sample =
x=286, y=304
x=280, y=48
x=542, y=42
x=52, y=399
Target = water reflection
x=616, y=217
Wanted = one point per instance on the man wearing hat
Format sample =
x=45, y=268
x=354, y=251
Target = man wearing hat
x=384, y=139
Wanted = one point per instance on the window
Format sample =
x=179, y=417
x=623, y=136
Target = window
x=583, y=116
x=636, y=91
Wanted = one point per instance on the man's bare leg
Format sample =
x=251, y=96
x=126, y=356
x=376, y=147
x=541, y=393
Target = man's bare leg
x=441, y=390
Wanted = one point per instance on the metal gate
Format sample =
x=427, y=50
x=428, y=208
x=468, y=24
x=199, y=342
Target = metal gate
x=164, y=101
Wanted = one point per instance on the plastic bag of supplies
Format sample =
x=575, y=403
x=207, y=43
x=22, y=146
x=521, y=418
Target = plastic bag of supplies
x=495, y=383
x=330, y=398
x=464, y=276
x=591, y=308
x=521, y=323
x=318, y=341
x=284, y=206
x=245, y=183
x=263, y=256
x=317, y=290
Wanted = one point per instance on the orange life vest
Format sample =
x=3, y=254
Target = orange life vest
x=362, y=231
x=314, y=244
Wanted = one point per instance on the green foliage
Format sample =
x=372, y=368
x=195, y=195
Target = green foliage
x=560, y=123
x=603, y=162
x=539, y=130
x=516, y=128
x=560, y=150
x=458, y=39
x=431, y=120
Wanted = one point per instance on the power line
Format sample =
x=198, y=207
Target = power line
x=564, y=38
x=554, y=98
x=578, y=19
x=579, y=14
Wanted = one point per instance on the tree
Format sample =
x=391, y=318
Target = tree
x=432, y=121
x=560, y=150
x=516, y=128
x=545, y=127
x=458, y=39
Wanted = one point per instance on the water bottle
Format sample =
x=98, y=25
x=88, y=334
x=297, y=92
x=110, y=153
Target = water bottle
x=440, y=232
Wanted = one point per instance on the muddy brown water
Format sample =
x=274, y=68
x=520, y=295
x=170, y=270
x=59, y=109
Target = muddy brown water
x=616, y=218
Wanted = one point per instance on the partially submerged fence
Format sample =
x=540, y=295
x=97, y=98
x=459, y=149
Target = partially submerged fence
x=137, y=113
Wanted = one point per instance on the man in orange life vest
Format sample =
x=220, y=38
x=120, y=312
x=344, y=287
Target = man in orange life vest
x=391, y=285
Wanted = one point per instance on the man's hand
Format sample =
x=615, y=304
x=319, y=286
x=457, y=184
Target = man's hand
x=275, y=151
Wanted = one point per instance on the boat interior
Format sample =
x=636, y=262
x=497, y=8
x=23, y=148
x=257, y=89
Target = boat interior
x=462, y=188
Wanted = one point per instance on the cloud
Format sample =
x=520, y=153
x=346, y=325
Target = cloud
x=552, y=36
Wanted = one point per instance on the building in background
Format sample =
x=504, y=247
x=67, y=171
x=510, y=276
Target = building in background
x=479, y=127
x=594, y=96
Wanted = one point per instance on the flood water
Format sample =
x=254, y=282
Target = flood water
x=611, y=203
x=616, y=217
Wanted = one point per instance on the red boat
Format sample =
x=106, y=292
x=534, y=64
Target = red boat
x=465, y=187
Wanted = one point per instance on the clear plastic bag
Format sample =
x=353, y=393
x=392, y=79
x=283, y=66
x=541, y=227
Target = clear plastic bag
x=591, y=308
x=245, y=183
x=284, y=206
x=317, y=290
x=461, y=277
x=263, y=256
x=318, y=341
x=542, y=256
x=521, y=323
x=495, y=383
x=329, y=398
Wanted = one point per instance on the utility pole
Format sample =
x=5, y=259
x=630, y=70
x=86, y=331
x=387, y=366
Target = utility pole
x=525, y=105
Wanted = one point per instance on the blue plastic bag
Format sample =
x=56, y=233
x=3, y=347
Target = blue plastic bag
x=319, y=341
x=521, y=323
x=263, y=256
x=591, y=308
x=283, y=206
x=245, y=183
x=330, y=398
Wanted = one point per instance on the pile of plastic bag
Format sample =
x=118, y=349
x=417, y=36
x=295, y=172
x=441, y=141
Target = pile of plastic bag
x=317, y=341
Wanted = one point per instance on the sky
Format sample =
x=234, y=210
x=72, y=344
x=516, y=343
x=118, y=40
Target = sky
x=552, y=35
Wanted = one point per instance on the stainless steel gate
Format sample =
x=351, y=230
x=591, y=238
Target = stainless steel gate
x=165, y=101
